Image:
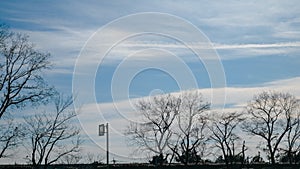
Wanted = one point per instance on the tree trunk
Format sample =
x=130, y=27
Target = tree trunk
x=272, y=156
x=187, y=150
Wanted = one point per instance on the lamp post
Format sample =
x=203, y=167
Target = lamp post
x=107, y=146
x=102, y=130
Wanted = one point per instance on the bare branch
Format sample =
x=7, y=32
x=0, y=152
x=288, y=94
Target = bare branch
x=20, y=69
x=270, y=116
x=52, y=134
x=223, y=127
x=10, y=134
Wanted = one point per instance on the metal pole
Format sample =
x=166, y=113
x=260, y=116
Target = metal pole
x=107, y=146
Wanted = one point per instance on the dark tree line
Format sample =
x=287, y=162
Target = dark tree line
x=271, y=116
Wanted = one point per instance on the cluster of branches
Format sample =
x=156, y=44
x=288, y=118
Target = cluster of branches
x=183, y=126
x=21, y=67
x=172, y=125
x=51, y=135
x=275, y=118
x=48, y=135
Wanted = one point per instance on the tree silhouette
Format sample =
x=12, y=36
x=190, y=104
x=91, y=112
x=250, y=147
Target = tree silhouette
x=189, y=131
x=171, y=123
x=51, y=135
x=10, y=132
x=269, y=117
x=223, y=127
x=153, y=132
x=20, y=71
x=21, y=67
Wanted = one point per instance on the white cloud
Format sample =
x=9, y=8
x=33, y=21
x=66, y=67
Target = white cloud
x=235, y=50
x=65, y=42
x=246, y=46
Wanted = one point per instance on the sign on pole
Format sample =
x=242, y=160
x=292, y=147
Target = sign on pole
x=101, y=130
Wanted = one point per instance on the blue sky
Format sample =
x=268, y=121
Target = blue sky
x=258, y=43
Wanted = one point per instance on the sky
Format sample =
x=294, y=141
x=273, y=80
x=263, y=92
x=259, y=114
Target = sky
x=111, y=53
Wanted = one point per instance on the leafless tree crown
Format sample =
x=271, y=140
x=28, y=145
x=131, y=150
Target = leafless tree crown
x=21, y=67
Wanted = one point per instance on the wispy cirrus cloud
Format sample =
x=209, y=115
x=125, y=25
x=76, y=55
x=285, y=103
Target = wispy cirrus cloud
x=235, y=50
x=245, y=46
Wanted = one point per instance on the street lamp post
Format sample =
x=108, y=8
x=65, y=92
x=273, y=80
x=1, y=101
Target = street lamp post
x=102, y=130
x=107, y=145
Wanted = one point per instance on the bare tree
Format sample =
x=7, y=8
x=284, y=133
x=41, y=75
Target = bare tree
x=270, y=119
x=51, y=135
x=153, y=132
x=292, y=139
x=190, y=127
x=9, y=136
x=223, y=128
x=20, y=71
x=172, y=124
x=21, y=82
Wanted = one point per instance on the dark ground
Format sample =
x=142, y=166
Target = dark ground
x=146, y=166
